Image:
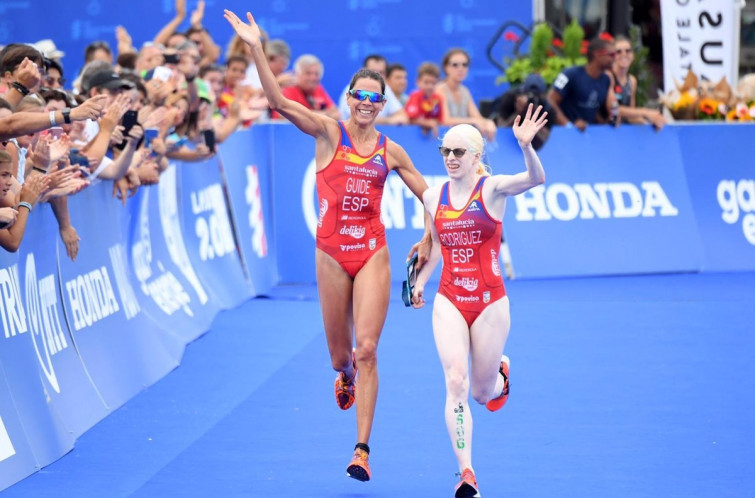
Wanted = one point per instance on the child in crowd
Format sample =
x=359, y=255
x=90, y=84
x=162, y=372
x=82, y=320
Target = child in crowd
x=425, y=107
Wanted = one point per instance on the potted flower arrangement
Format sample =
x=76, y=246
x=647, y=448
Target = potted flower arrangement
x=548, y=55
x=703, y=100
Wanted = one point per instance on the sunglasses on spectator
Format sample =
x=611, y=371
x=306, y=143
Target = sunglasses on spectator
x=51, y=81
x=457, y=64
x=362, y=95
x=458, y=153
x=606, y=52
x=623, y=50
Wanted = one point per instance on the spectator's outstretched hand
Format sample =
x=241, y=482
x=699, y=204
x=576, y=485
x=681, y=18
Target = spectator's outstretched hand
x=7, y=217
x=148, y=172
x=33, y=188
x=133, y=181
x=197, y=15
x=120, y=189
x=125, y=44
x=115, y=111
x=250, y=33
x=150, y=117
x=28, y=74
x=59, y=148
x=116, y=137
x=49, y=150
x=65, y=181
x=90, y=109
x=71, y=240
x=526, y=129
x=180, y=8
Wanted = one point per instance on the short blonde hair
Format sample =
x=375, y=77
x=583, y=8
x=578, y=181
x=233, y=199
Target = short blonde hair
x=475, y=143
x=5, y=157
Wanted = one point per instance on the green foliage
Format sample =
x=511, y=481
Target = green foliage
x=542, y=39
x=518, y=69
x=554, y=65
x=543, y=57
x=639, y=67
x=573, y=36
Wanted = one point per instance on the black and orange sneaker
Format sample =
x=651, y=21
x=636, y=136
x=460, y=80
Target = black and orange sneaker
x=497, y=403
x=359, y=468
x=346, y=389
x=467, y=487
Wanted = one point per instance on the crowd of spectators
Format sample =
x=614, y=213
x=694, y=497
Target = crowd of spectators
x=131, y=110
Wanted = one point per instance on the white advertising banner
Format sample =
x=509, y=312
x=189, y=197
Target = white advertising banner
x=701, y=35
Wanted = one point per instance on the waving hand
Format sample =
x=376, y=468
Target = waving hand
x=526, y=129
x=250, y=33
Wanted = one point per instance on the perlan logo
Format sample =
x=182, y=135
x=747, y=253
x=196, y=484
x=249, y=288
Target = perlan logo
x=588, y=201
x=352, y=247
x=467, y=299
x=738, y=198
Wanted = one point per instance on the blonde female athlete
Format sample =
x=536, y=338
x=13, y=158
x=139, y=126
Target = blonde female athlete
x=351, y=256
x=471, y=310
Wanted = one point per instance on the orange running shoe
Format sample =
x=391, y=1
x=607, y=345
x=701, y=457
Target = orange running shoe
x=359, y=468
x=346, y=389
x=467, y=487
x=496, y=404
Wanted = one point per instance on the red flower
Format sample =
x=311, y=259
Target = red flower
x=558, y=43
x=606, y=36
x=583, y=48
x=510, y=36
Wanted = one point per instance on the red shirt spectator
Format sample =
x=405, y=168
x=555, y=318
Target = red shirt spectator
x=420, y=105
x=318, y=99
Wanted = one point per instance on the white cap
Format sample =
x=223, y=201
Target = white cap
x=48, y=49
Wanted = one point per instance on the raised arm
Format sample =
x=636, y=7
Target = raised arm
x=306, y=120
x=23, y=123
x=399, y=160
x=166, y=31
x=524, y=131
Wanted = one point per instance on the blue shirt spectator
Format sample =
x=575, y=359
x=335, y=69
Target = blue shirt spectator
x=582, y=96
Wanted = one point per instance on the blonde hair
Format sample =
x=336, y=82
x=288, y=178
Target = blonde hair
x=31, y=101
x=475, y=141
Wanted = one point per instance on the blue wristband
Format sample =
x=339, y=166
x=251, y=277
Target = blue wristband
x=25, y=204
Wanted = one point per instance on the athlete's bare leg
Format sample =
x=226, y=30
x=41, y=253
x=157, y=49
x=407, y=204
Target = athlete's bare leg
x=489, y=333
x=372, y=288
x=452, y=341
x=335, y=287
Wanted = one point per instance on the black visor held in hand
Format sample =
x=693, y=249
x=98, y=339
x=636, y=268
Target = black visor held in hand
x=407, y=286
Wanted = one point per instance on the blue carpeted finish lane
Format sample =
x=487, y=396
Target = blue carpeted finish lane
x=625, y=386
